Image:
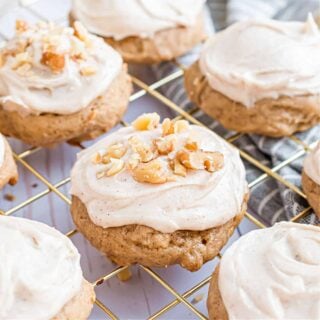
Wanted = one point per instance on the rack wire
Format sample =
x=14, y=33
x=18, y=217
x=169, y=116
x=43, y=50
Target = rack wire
x=153, y=90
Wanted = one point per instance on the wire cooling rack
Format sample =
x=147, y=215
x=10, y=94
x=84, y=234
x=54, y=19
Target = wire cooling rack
x=122, y=272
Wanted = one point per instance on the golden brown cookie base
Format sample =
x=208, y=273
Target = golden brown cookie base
x=8, y=170
x=164, y=46
x=215, y=305
x=270, y=117
x=132, y=244
x=312, y=191
x=80, y=306
x=48, y=129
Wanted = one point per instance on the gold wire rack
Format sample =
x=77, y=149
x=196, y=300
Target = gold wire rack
x=153, y=90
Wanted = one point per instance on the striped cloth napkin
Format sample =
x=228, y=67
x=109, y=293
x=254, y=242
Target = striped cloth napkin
x=270, y=200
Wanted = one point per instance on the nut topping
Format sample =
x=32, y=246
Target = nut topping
x=54, y=61
x=145, y=152
x=165, y=145
x=152, y=172
x=170, y=156
x=116, y=167
x=213, y=161
x=21, y=26
x=179, y=169
x=147, y=121
x=190, y=160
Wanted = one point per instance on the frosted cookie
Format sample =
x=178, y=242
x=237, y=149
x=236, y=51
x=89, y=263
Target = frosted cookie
x=144, y=31
x=260, y=76
x=159, y=194
x=311, y=178
x=8, y=168
x=272, y=273
x=59, y=84
x=40, y=274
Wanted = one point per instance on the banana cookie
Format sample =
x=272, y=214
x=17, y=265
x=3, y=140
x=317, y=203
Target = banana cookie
x=59, y=84
x=41, y=277
x=311, y=178
x=272, y=273
x=159, y=194
x=144, y=31
x=8, y=168
x=260, y=76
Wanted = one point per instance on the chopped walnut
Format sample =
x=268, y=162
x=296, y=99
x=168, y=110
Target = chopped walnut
x=21, y=59
x=21, y=26
x=117, y=150
x=97, y=158
x=151, y=172
x=117, y=166
x=147, y=121
x=145, y=152
x=170, y=127
x=165, y=145
x=133, y=161
x=191, y=160
x=54, y=61
x=179, y=169
x=192, y=145
x=167, y=127
x=81, y=32
x=180, y=126
x=213, y=161
x=199, y=160
x=88, y=71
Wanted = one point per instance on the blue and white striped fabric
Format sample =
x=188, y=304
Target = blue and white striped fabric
x=270, y=200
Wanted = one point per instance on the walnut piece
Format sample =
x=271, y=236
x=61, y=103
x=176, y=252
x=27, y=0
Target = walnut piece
x=213, y=161
x=178, y=168
x=117, y=150
x=165, y=145
x=80, y=31
x=191, y=160
x=180, y=126
x=54, y=61
x=192, y=145
x=88, y=71
x=151, y=172
x=117, y=165
x=171, y=127
x=199, y=160
x=147, y=121
x=133, y=161
x=21, y=26
x=145, y=152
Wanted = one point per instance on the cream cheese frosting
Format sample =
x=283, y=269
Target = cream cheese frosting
x=142, y=18
x=53, y=69
x=273, y=273
x=39, y=270
x=257, y=59
x=2, y=150
x=197, y=201
x=311, y=164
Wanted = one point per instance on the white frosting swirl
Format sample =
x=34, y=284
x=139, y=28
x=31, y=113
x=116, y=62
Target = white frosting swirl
x=39, y=90
x=142, y=18
x=2, y=150
x=199, y=201
x=273, y=273
x=253, y=60
x=311, y=164
x=39, y=270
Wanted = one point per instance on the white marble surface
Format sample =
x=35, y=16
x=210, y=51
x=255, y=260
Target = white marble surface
x=141, y=296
